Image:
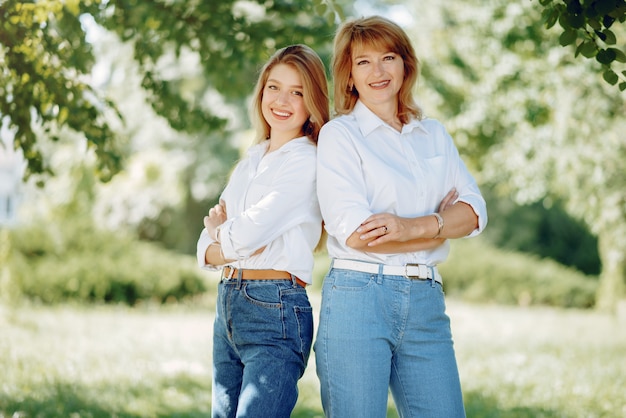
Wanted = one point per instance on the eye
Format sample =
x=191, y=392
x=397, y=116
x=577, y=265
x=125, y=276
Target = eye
x=362, y=62
x=389, y=57
x=271, y=87
x=297, y=93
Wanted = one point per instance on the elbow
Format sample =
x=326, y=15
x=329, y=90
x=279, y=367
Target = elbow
x=356, y=243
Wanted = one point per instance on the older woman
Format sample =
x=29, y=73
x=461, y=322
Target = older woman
x=384, y=176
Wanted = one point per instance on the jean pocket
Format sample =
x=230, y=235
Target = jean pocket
x=266, y=295
x=349, y=280
x=304, y=318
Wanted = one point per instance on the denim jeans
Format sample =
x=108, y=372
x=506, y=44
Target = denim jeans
x=261, y=344
x=378, y=332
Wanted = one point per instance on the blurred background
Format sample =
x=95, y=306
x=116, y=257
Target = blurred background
x=120, y=121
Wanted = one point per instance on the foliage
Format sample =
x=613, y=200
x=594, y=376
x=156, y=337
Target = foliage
x=76, y=262
x=531, y=120
x=543, y=229
x=480, y=273
x=47, y=59
x=589, y=25
x=44, y=60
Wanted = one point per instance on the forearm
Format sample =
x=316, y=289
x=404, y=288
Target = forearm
x=214, y=255
x=393, y=247
x=459, y=221
x=387, y=233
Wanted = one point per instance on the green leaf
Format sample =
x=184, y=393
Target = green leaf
x=620, y=56
x=610, y=37
x=622, y=86
x=587, y=49
x=568, y=37
x=610, y=77
x=576, y=21
x=551, y=17
x=606, y=56
x=594, y=24
x=320, y=9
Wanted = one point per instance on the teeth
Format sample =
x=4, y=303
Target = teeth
x=279, y=113
x=381, y=84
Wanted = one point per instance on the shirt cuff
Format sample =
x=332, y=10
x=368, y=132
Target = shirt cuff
x=203, y=243
x=478, y=206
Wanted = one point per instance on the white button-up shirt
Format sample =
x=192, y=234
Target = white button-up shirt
x=364, y=167
x=271, y=201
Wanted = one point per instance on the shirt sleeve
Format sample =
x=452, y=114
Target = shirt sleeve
x=467, y=187
x=286, y=204
x=341, y=187
x=204, y=242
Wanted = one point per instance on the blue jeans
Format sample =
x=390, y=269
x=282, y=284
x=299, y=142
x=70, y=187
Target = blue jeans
x=378, y=332
x=261, y=344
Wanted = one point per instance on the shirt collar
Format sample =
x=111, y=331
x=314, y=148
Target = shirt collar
x=258, y=150
x=368, y=121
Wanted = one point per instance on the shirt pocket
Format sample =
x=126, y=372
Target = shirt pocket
x=435, y=169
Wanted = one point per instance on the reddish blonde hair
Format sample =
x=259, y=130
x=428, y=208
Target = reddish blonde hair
x=383, y=35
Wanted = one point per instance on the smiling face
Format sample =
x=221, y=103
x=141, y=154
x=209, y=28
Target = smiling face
x=283, y=104
x=377, y=76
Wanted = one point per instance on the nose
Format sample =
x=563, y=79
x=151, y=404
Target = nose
x=378, y=68
x=282, y=97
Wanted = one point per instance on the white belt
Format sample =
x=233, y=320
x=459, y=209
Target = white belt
x=410, y=271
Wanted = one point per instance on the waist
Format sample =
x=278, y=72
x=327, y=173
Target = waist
x=231, y=273
x=410, y=271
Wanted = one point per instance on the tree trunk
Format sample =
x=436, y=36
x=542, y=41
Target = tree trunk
x=613, y=257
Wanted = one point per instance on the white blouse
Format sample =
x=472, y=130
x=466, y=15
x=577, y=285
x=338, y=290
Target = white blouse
x=271, y=201
x=364, y=167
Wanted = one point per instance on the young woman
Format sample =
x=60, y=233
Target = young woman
x=262, y=234
x=384, y=178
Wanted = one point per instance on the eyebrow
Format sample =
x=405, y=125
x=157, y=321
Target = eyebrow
x=365, y=55
x=273, y=80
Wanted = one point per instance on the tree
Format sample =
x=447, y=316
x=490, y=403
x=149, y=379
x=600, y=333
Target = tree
x=589, y=26
x=46, y=59
x=43, y=60
x=533, y=121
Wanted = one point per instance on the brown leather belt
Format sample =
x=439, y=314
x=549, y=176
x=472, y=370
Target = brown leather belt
x=251, y=274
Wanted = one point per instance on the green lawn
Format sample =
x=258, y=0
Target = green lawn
x=155, y=362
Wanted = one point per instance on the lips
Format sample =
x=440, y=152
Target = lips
x=281, y=113
x=379, y=84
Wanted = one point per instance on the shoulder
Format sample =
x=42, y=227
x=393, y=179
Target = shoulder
x=432, y=125
x=344, y=127
x=339, y=122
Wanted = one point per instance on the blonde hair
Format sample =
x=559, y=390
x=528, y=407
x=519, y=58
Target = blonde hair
x=314, y=87
x=382, y=34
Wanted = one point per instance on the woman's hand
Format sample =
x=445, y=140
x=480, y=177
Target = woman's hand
x=386, y=227
x=217, y=216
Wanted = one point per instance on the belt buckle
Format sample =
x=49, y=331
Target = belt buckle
x=230, y=274
x=422, y=271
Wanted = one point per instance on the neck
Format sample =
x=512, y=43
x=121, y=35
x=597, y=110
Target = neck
x=277, y=141
x=388, y=113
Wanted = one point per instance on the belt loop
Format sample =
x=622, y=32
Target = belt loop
x=230, y=273
x=293, y=280
x=379, y=279
x=432, y=276
x=239, y=274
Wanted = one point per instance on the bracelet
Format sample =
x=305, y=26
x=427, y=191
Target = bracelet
x=439, y=224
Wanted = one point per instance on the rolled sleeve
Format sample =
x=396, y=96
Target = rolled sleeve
x=203, y=244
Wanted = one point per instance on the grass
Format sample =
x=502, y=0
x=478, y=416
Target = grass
x=155, y=362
